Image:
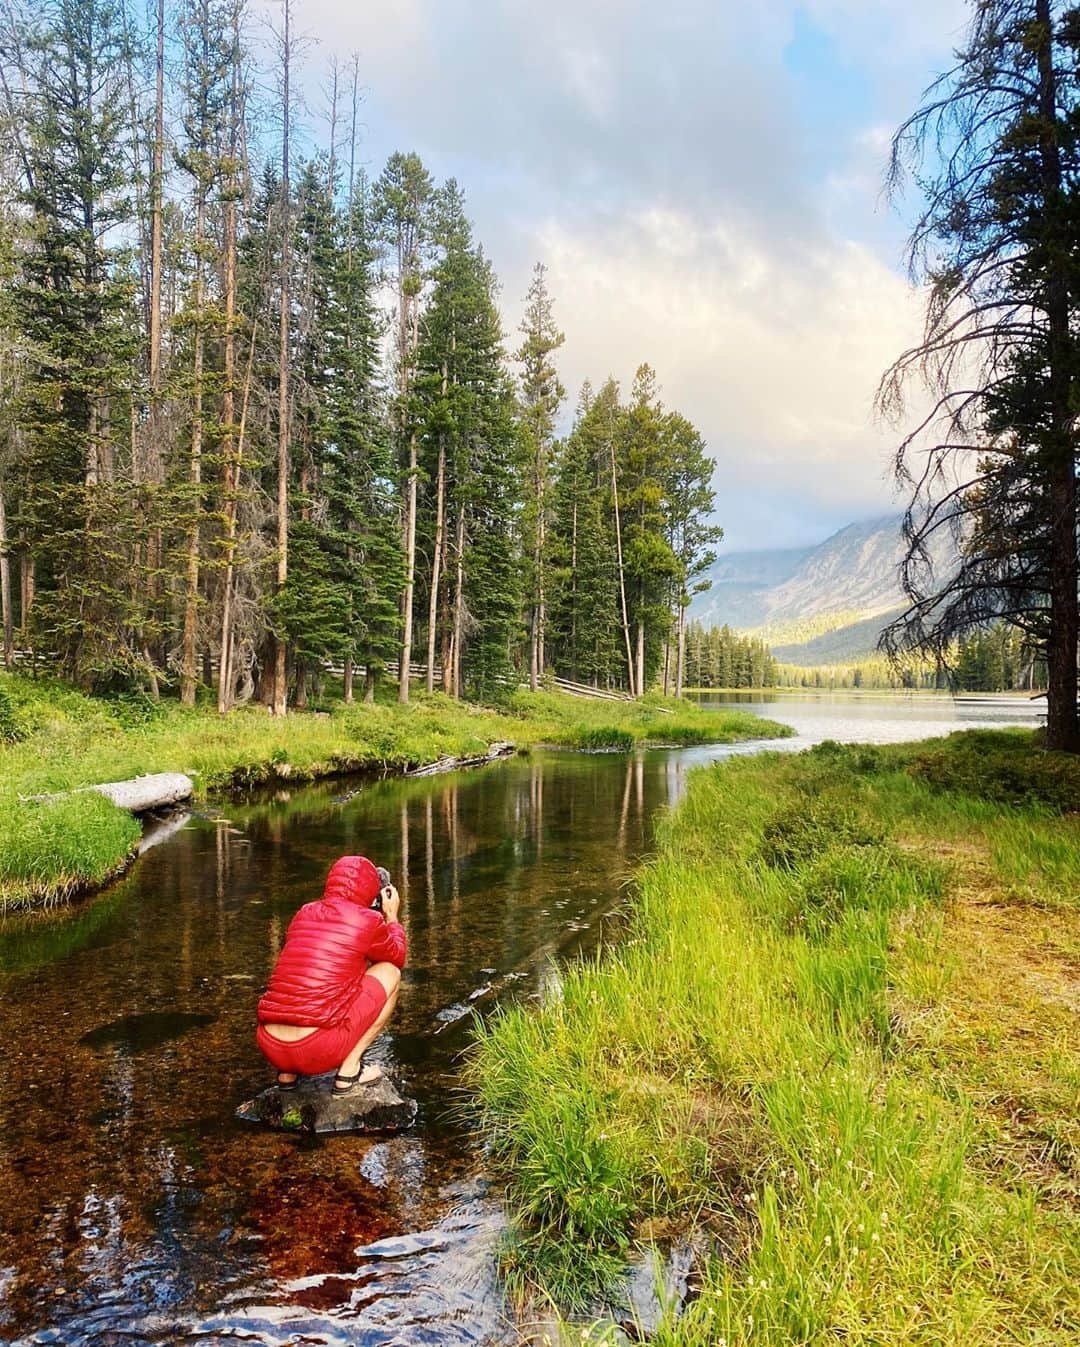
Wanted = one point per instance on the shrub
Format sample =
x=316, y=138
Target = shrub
x=1005, y=767
x=11, y=729
x=852, y=878
x=804, y=830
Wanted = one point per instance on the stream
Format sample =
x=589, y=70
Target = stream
x=137, y=1211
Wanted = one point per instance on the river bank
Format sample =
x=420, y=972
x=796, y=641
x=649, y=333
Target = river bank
x=54, y=739
x=840, y=1041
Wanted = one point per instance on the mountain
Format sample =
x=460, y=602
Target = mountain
x=815, y=605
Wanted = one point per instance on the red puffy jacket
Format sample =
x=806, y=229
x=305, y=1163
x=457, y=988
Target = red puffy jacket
x=328, y=947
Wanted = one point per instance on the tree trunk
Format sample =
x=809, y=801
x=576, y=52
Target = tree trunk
x=680, y=655
x=156, y=187
x=189, y=677
x=410, y=576
x=280, y=700
x=27, y=585
x=573, y=593
x=232, y=443
x=436, y=557
x=459, y=607
x=370, y=680
x=154, y=456
x=640, y=658
x=537, y=559
x=541, y=601
x=1062, y=726
x=7, y=617
x=347, y=680
x=301, y=698
x=622, y=578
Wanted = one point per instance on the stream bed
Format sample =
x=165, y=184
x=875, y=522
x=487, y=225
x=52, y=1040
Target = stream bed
x=137, y=1211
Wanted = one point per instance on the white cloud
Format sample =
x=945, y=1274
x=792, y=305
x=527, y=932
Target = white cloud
x=774, y=357
x=661, y=160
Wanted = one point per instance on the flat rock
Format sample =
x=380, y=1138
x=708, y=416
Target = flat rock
x=313, y=1107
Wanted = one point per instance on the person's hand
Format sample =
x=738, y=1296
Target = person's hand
x=391, y=903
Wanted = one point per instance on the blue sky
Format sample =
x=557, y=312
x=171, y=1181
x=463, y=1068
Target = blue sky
x=703, y=179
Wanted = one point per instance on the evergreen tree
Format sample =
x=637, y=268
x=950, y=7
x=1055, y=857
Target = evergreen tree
x=401, y=202
x=76, y=302
x=652, y=568
x=997, y=243
x=690, y=501
x=360, y=478
x=465, y=422
x=541, y=396
x=585, y=606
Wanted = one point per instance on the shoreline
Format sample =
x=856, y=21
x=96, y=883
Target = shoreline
x=55, y=850
x=859, y=966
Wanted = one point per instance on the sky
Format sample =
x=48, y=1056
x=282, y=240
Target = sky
x=703, y=180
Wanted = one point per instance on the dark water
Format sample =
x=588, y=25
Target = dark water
x=136, y=1210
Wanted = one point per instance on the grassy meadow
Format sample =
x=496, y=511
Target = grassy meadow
x=841, y=1041
x=54, y=739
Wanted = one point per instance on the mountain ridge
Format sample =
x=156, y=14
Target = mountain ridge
x=816, y=599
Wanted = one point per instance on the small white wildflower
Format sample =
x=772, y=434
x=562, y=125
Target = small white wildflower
x=828, y=1240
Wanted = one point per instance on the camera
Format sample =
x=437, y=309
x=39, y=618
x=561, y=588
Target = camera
x=386, y=882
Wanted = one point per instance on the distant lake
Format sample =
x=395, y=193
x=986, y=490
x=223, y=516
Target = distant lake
x=873, y=717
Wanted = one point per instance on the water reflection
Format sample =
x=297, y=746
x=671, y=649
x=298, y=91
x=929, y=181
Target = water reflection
x=135, y=1206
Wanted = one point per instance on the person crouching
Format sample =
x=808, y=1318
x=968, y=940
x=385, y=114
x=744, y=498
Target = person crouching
x=335, y=983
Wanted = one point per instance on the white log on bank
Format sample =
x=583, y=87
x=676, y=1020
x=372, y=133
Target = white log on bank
x=144, y=793
x=160, y=790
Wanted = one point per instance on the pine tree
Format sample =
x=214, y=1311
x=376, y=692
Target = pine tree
x=651, y=565
x=690, y=502
x=464, y=412
x=585, y=623
x=208, y=57
x=402, y=197
x=997, y=243
x=541, y=396
x=76, y=301
x=360, y=479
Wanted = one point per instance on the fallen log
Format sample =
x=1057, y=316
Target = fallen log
x=494, y=752
x=144, y=793
x=160, y=790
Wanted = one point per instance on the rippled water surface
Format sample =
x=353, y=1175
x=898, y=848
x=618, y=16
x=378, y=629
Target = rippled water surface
x=136, y=1211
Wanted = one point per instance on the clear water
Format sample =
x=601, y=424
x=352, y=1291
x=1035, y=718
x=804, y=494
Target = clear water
x=137, y=1211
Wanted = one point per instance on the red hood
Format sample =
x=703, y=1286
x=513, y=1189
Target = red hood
x=355, y=878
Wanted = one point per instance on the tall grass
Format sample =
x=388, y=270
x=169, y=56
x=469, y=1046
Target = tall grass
x=739, y=1065
x=50, y=849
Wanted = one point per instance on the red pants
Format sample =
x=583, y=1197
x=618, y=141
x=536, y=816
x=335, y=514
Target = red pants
x=326, y=1049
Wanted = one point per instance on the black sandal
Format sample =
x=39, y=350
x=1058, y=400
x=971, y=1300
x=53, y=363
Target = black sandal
x=351, y=1082
x=285, y=1085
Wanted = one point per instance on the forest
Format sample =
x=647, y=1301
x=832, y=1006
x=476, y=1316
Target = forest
x=259, y=416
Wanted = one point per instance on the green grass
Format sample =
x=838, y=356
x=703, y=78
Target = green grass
x=53, y=848
x=54, y=739
x=824, y=1045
